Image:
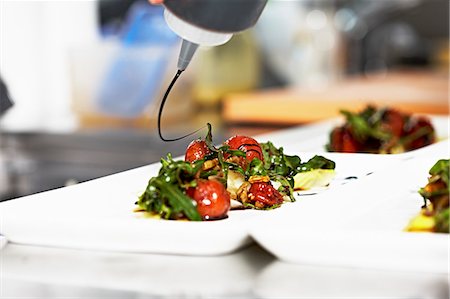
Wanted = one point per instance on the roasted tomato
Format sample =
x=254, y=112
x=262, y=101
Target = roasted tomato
x=264, y=195
x=393, y=122
x=196, y=150
x=341, y=140
x=246, y=144
x=213, y=200
x=424, y=132
x=335, y=143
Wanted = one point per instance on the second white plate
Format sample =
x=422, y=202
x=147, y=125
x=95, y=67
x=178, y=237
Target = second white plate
x=362, y=225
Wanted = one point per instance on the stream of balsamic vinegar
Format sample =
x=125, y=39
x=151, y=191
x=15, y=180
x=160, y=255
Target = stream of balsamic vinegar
x=161, y=108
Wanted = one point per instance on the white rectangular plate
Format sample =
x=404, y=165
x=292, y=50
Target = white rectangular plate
x=362, y=225
x=314, y=138
x=99, y=215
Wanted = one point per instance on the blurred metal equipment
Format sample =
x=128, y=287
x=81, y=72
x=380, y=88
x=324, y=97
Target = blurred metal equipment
x=5, y=100
x=5, y=104
x=36, y=162
x=384, y=34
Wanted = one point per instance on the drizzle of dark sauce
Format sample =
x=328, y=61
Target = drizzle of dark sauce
x=306, y=194
x=238, y=208
x=161, y=107
x=351, y=178
x=245, y=148
x=208, y=218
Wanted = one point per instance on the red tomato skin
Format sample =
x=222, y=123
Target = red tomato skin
x=349, y=144
x=196, y=150
x=213, y=200
x=336, y=139
x=394, y=122
x=421, y=122
x=341, y=140
x=265, y=194
x=247, y=144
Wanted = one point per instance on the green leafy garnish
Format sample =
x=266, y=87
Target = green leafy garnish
x=276, y=162
x=256, y=167
x=380, y=130
x=364, y=126
x=317, y=162
x=436, y=192
x=284, y=168
x=252, y=206
x=442, y=221
x=441, y=169
x=164, y=193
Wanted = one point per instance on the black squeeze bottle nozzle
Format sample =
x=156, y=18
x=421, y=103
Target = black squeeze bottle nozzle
x=186, y=53
x=209, y=22
x=161, y=107
x=187, y=16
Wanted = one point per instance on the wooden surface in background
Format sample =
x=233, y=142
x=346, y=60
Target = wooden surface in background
x=414, y=92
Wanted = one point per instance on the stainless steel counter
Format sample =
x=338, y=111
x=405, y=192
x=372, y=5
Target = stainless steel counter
x=36, y=162
x=43, y=272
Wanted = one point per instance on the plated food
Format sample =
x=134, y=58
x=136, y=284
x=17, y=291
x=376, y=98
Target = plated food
x=239, y=174
x=381, y=131
x=434, y=216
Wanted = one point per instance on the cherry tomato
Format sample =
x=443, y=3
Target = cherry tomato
x=335, y=144
x=349, y=144
x=213, y=200
x=246, y=144
x=341, y=140
x=264, y=195
x=421, y=123
x=196, y=150
x=394, y=122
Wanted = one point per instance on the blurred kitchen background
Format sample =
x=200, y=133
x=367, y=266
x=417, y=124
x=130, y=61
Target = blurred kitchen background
x=86, y=77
